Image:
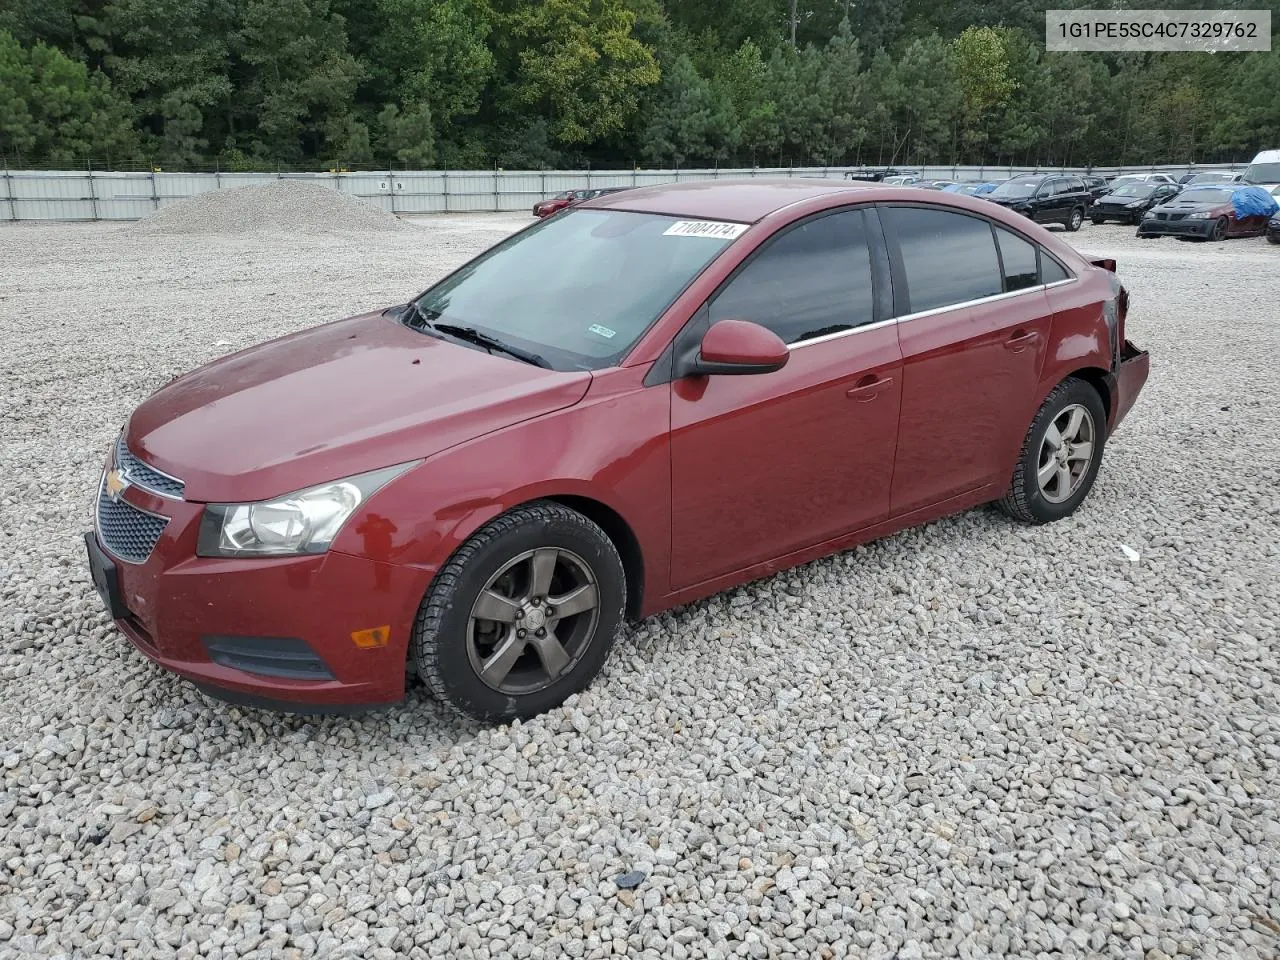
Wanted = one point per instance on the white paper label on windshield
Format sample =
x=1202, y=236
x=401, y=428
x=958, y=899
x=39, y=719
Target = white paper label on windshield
x=705, y=228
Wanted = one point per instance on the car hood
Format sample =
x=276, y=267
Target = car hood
x=1188, y=206
x=1110, y=201
x=332, y=402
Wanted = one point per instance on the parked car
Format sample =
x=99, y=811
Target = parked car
x=648, y=398
x=1142, y=178
x=1200, y=213
x=1045, y=198
x=1273, y=225
x=1097, y=186
x=545, y=208
x=1129, y=201
x=935, y=184
x=903, y=180
x=1213, y=177
x=871, y=175
x=1264, y=171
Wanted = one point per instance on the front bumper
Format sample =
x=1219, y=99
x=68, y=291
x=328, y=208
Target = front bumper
x=271, y=632
x=1176, y=228
x=1118, y=214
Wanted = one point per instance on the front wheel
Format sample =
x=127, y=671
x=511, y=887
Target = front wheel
x=522, y=615
x=1077, y=218
x=1220, y=229
x=1273, y=238
x=1097, y=221
x=1060, y=455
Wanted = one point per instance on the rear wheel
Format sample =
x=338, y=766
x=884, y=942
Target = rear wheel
x=1220, y=229
x=1060, y=455
x=1273, y=238
x=1097, y=221
x=522, y=615
x=1077, y=218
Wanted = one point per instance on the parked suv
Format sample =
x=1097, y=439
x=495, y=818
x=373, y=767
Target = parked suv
x=1096, y=186
x=1045, y=198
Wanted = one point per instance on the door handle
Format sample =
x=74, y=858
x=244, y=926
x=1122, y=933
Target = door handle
x=868, y=388
x=1021, y=340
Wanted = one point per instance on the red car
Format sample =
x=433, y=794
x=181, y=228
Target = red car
x=656, y=396
x=1201, y=213
x=545, y=208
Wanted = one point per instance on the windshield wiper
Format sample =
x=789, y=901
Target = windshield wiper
x=472, y=335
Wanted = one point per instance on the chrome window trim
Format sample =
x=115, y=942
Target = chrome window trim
x=826, y=337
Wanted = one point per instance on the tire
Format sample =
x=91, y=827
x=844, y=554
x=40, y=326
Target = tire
x=453, y=644
x=1220, y=230
x=1030, y=500
x=1077, y=218
x=1097, y=221
x=1273, y=238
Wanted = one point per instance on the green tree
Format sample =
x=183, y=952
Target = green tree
x=299, y=81
x=54, y=108
x=574, y=63
x=981, y=69
x=692, y=123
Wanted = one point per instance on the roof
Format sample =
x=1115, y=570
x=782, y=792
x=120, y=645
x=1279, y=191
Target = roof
x=743, y=201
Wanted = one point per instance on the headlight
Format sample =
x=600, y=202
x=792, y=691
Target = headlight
x=297, y=523
x=1198, y=216
x=1136, y=203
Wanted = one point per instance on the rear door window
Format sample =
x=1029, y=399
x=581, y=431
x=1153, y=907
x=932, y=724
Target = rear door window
x=947, y=258
x=1021, y=268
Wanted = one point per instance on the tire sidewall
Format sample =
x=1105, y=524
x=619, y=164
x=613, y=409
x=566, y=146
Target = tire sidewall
x=1077, y=391
x=453, y=667
x=1076, y=220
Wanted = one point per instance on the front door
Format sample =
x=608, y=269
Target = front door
x=763, y=465
x=972, y=343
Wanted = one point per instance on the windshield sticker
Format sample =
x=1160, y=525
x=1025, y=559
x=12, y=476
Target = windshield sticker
x=705, y=228
x=602, y=331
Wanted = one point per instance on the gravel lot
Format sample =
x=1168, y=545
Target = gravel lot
x=973, y=739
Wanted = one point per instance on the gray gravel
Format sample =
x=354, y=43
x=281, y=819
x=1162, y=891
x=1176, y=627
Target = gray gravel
x=290, y=206
x=974, y=739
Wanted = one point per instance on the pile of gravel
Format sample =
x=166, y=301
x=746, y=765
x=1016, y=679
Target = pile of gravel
x=970, y=740
x=284, y=206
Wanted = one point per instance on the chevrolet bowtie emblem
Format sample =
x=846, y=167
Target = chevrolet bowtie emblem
x=116, y=483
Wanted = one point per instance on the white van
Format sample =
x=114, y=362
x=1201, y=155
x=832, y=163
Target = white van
x=1264, y=171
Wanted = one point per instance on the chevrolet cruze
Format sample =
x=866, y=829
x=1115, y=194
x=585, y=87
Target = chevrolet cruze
x=649, y=398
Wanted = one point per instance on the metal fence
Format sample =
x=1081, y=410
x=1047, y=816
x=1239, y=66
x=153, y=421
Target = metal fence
x=86, y=195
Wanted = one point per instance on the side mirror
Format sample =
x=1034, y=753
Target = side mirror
x=736, y=347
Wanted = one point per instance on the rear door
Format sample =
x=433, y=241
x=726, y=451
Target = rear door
x=973, y=327
x=764, y=465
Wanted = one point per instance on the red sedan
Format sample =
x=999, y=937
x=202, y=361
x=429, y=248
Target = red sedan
x=658, y=395
x=545, y=208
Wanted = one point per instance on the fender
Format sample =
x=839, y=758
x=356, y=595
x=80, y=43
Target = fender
x=455, y=492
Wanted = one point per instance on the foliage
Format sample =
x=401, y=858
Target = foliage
x=472, y=83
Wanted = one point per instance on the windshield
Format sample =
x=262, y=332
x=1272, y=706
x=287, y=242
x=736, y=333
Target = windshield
x=1262, y=173
x=580, y=288
x=1015, y=188
x=1206, y=195
x=1210, y=178
x=1133, y=190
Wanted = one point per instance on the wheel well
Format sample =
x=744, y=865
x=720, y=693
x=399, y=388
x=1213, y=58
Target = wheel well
x=624, y=540
x=1098, y=380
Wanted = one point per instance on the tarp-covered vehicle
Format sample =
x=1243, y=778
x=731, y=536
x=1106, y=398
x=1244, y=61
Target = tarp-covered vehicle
x=1211, y=213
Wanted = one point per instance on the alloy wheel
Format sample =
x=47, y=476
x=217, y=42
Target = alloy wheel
x=1220, y=229
x=1065, y=453
x=533, y=620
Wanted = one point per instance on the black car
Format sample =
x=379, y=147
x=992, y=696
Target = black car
x=1273, y=229
x=1129, y=201
x=1045, y=198
x=1097, y=186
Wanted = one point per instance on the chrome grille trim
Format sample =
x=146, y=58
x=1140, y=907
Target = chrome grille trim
x=146, y=476
x=127, y=532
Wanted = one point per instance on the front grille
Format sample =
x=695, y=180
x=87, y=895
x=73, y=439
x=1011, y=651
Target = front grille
x=1177, y=216
x=147, y=477
x=126, y=531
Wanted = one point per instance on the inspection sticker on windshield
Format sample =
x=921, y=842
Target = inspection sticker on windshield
x=602, y=331
x=705, y=228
